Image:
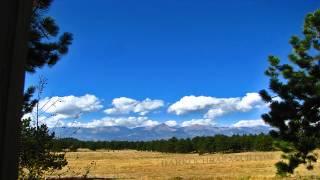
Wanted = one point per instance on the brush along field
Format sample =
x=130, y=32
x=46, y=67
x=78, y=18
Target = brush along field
x=130, y=164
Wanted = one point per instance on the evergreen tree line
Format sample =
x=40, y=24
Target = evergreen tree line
x=208, y=144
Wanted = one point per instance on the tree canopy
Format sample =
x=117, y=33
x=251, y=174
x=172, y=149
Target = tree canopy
x=201, y=145
x=294, y=98
x=45, y=47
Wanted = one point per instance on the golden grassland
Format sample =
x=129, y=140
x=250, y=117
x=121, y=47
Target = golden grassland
x=130, y=164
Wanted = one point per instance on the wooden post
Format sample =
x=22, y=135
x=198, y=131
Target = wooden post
x=14, y=20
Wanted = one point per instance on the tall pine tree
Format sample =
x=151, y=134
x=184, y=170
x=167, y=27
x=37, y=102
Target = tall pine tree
x=45, y=47
x=295, y=98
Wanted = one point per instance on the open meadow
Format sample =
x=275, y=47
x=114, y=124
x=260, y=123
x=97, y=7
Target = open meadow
x=130, y=164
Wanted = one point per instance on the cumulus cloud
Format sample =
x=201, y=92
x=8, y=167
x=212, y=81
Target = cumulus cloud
x=50, y=120
x=250, y=123
x=171, y=123
x=124, y=105
x=70, y=106
x=250, y=101
x=130, y=122
x=215, y=107
x=205, y=122
x=54, y=109
x=192, y=103
x=213, y=113
x=53, y=121
x=132, y=113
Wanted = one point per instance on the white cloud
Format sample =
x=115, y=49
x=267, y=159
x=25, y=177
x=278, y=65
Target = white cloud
x=215, y=107
x=70, y=106
x=250, y=101
x=53, y=121
x=277, y=98
x=55, y=109
x=213, y=113
x=124, y=105
x=250, y=123
x=149, y=123
x=130, y=122
x=171, y=123
x=204, y=122
x=192, y=103
x=50, y=121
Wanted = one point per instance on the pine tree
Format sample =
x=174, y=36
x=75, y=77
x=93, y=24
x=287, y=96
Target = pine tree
x=295, y=98
x=45, y=47
x=42, y=47
x=37, y=153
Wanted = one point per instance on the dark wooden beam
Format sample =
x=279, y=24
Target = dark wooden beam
x=14, y=20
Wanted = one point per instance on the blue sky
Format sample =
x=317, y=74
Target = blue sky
x=168, y=49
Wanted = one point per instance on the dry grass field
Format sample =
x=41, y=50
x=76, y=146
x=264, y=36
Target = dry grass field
x=131, y=164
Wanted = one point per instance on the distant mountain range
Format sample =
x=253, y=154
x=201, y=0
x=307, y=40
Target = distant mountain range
x=161, y=131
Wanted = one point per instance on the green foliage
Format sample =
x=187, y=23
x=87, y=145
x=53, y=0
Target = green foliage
x=28, y=102
x=36, y=155
x=201, y=145
x=45, y=47
x=295, y=113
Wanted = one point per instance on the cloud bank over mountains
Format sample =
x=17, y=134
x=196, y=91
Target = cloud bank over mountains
x=250, y=123
x=123, y=111
x=130, y=122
